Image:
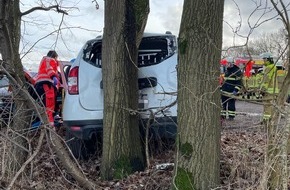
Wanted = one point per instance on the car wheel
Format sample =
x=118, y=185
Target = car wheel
x=76, y=145
x=94, y=145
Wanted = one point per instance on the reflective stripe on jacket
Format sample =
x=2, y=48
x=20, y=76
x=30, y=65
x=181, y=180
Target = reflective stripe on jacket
x=47, y=70
x=232, y=79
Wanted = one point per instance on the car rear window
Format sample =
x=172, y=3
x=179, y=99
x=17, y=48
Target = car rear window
x=93, y=53
x=152, y=50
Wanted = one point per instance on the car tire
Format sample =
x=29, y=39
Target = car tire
x=94, y=144
x=76, y=145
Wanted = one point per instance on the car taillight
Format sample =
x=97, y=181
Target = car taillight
x=75, y=128
x=72, y=81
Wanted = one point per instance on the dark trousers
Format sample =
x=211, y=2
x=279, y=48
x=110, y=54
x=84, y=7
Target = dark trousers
x=229, y=107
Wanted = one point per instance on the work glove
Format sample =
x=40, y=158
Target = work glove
x=235, y=92
x=55, y=81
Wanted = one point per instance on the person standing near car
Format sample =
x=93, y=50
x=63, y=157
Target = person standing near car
x=46, y=83
x=269, y=84
x=231, y=86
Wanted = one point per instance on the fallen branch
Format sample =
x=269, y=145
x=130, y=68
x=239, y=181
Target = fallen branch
x=40, y=141
x=71, y=168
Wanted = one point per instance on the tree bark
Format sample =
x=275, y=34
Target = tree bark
x=198, y=141
x=122, y=152
x=9, y=47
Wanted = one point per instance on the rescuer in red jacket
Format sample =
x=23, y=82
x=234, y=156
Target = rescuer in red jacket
x=46, y=83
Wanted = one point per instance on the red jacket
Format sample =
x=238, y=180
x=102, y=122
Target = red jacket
x=47, y=70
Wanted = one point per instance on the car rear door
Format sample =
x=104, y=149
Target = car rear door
x=157, y=61
x=90, y=76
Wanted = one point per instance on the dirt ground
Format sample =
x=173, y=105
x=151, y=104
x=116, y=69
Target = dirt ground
x=242, y=150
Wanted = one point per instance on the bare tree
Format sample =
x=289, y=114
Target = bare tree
x=270, y=42
x=10, y=18
x=198, y=150
x=18, y=150
x=276, y=173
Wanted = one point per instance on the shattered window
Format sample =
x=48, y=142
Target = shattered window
x=93, y=53
x=152, y=50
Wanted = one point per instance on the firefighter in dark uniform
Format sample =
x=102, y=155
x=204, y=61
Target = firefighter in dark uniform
x=231, y=86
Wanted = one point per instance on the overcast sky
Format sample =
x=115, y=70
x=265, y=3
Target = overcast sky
x=86, y=22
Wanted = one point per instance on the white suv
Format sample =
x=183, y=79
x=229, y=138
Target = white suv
x=83, y=104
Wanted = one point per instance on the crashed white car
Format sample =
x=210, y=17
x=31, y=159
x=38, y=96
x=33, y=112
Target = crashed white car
x=83, y=104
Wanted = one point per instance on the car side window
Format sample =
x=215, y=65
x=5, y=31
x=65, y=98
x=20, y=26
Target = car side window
x=66, y=71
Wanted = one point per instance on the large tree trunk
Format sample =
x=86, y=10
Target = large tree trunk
x=9, y=46
x=198, y=141
x=122, y=152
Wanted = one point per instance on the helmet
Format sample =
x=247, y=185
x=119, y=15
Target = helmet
x=230, y=60
x=267, y=56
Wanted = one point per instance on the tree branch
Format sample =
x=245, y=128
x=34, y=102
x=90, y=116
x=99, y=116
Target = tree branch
x=39, y=144
x=58, y=9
